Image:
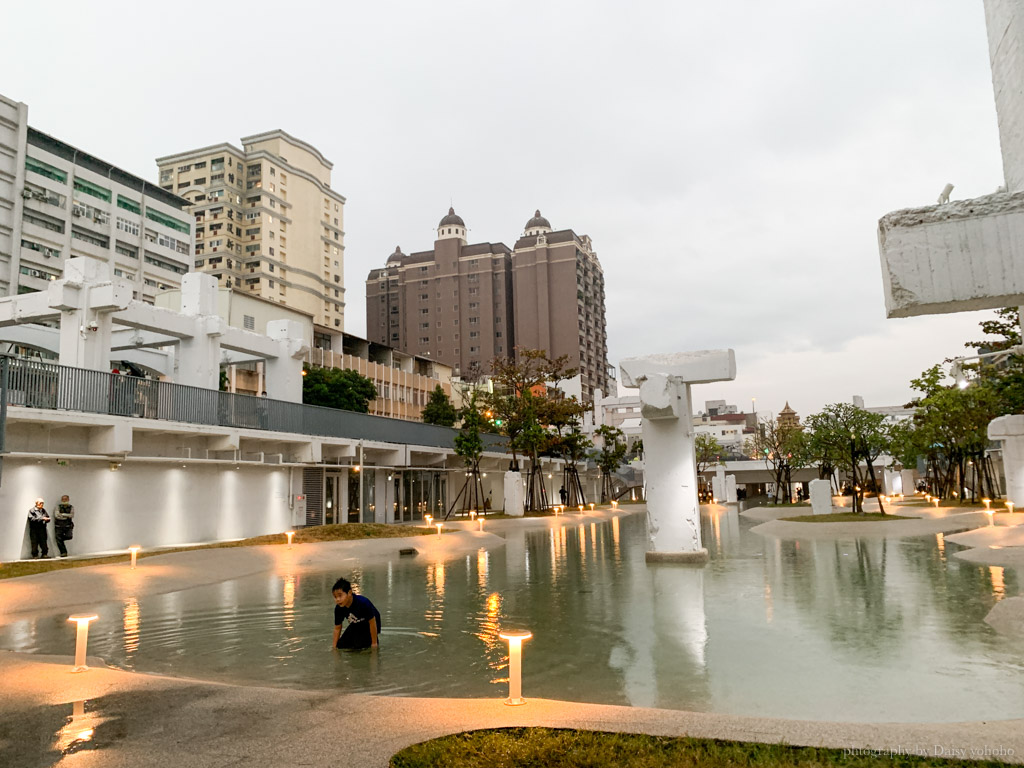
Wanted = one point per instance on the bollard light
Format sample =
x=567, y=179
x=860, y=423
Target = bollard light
x=289, y=534
x=81, y=640
x=935, y=501
x=615, y=504
x=581, y=509
x=135, y=554
x=928, y=498
x=1009, y=506
x=591, y=506
x=714, y=500
x=480, y=523
x=986, y=502
x=472, y=514
x=515, y=665
x=438, y=526
x=429, y=519
x=991, y=516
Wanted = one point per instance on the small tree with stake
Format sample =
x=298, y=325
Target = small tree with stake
x=609, y=456
x=470, y=448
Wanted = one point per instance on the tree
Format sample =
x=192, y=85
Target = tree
x=439, y=409
x=708, y=450
x=337, y=388
x=1005, y=377
x=469, y=446
x=782, y=449
x=566, y=440
x=609, y=456
x=842, y=435
x=523, y=389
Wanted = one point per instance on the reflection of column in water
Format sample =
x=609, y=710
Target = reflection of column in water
x=79, y=728
x=665, y=632
x=941, y=541
x=515, y=556
x=615, y=538
x=131, y=627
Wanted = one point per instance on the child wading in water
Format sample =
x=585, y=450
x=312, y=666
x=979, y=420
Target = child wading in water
x=363, y=618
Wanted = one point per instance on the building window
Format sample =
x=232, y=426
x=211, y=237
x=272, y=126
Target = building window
x=95, y=190
x=45, y=169
x=128, y=204
x=131, y=227
x=167, y=221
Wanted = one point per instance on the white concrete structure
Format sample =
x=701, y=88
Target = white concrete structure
x=514, y=494
x=730, y=489
x=964, y=255
x=718, y=484
x=58, y=202
x=1009, y=430
x=821, y=497
x=671, y=472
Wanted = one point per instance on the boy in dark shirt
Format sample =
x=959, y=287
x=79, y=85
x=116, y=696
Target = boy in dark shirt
x=363, y=618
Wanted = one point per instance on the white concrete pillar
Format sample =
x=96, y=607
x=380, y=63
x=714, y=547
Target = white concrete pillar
x=717, y=483
x=284, y=372
x=198, y=357
x=730, y=489
x=821, y=497
x=1009, y=430
x=513, y=494
x=86, y=298
x=673, y=512
x=909, y=479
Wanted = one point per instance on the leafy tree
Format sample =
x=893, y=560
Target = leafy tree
x=782, y=449
x=1005, y=377
x=709, y=451
x=609, y=456
x=520, y=408
x=439, y=409
x=337, y=388
x=842, y=435
x=566, y=440
x=469, y=446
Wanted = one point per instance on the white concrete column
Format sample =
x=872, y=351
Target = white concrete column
x=730, y=489
x=717, y=483
x=284, y=372
x=513, y=494
x=198, y=357
x=670, y=468
x=821, y=497
x=1009, y=430
x=909, y=482
x=86, y=299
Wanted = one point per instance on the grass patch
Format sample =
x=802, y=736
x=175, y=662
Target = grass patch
x=554, y=748
x=318, y=533
x=794, y=504
x=847, y=517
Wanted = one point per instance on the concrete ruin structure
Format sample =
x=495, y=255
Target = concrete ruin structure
x=673, y=508
x=964, y=255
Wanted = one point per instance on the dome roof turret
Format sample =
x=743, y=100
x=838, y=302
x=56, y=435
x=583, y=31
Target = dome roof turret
x=452, y=219
x=538, y=221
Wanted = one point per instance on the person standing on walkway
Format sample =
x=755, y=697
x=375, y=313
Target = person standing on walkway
x=63, y=523
x=38, y=517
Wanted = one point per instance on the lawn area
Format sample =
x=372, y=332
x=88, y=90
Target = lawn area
x=347, y=532
x=847, y=517
x=551, y=748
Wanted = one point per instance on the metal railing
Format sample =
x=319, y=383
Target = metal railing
x=33, y=384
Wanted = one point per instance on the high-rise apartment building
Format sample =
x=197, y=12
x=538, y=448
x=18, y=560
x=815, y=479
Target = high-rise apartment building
x=268, y=221
x=465, y=304
x=57, y=201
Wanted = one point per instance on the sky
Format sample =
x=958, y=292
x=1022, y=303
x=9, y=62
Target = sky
x=730, y=161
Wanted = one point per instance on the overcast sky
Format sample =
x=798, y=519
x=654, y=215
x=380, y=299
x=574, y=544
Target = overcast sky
x=730, y=160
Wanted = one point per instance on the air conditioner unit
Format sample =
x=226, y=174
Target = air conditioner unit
x=26, y=193
x=78, y=211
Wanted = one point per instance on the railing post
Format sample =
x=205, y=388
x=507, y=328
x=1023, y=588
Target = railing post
x=5, y=375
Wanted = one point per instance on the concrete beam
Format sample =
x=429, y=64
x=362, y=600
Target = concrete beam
x=111, y=439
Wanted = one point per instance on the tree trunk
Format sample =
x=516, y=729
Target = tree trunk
x=874, y=482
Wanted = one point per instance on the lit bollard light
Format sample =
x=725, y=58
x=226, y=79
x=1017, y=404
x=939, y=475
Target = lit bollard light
x=135, y=555
x=81, y=640
x=935, y=501
x=472, y=515
x=438, y=526
x=987, y=503
x=480, y=523
x=515, y=665
x=1009, y=507
x=928, y=498
x=591, y=506
x=615, y=504
x=429, y=519
x=581, y=509
x=289, y=534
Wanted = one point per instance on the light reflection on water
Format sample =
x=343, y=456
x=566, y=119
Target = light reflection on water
x=849, y=629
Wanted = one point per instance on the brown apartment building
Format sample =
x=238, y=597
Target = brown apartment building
x=464, y=304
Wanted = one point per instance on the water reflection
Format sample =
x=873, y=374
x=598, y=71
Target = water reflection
x=78, y=730
x=131, y=627
x=849, y=629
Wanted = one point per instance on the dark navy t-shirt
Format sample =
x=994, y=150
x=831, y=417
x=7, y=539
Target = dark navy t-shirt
x=360, y=610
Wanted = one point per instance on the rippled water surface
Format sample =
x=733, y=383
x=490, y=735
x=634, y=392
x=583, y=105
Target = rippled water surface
x=855, y=629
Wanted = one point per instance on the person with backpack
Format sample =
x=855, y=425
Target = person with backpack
x=63, y=523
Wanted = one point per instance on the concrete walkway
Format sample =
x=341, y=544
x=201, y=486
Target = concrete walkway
x=136, y=720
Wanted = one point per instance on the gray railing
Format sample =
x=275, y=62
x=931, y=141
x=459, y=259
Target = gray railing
x=58, y=387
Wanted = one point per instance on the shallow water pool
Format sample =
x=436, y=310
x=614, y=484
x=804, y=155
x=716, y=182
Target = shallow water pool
x=856, y=629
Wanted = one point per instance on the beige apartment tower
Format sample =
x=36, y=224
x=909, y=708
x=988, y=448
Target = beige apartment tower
x=268, y=222
x=465, y=304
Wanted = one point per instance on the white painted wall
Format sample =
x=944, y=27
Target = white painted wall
x=147, y=504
